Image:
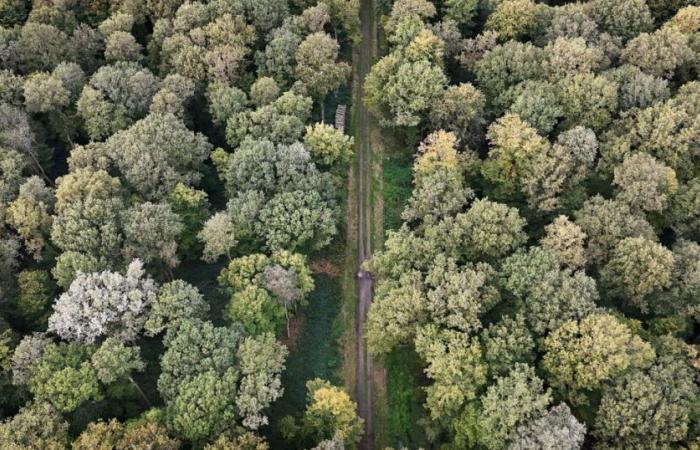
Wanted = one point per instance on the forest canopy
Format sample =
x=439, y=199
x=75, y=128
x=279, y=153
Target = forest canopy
x=546, y=273
x=142, y=144
x=176, y=192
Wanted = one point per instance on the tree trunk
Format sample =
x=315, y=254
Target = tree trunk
x=40, y=169
x=286, y=313
x=323, y=112
x=138, y=388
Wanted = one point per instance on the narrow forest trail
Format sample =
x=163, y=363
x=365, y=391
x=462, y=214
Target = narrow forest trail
x=363, y=62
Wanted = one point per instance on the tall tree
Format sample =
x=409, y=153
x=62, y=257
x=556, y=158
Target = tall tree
x=104, y=304
x=330, y=411
x=580, y=356
x=317, y=66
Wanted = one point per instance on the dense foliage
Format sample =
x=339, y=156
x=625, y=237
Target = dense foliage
x=137, y=137
x=545, y=277
x=546, y=273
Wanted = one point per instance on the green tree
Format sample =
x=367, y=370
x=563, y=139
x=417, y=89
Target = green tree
x=558, y=428
x=30, y=214
x=150, y=233
x=174, y=96
x=26, y=356
x=660, y=53
x=624, y=18
x=41, y=47
x=192, y=206
x=99, y=435
x=395, y=316
x=564, y=57
x=587, y=100
x=580, y=356
x=552, y=296
x=114, y=361
x=87, y=214
x=606, y=223
x=138, y=434
x=679, y=297
x=194, y=348
x=399, y=91
x=272, y=169
x=64, y=377
x=408, y=9
x=566, y=239
x=664, y=130
x=506, y=343
x=648, y=408
x=242, y=441
x=683, y=213
x=147, y=435
x=156, y=153
x=316, y=17
x=70, y=263
x=506, y=65
x=281, y=121
x=264, y=91
x=644, y=182
x=176, y=301
x=461, y=111
x=225, y=101
x=330, y=411
x=461, y=11
x=297, y=219
x=513, y=400
x=456, y=367
x=122, y=46
x=328, y=145
x=203, y=407
x=13, y=12
x=256, y=310
x=514, y=146
x=251, y=270
x=115, y=97
x=685, y=20
x=278, y=58
x=12, y=164
x=317, y=67
x=560, y=169
x=345, y=14
x=266, y=14
x=638, y=268
x=218, y=237
x=36, y=295
x=637, y=89
x=261, y=364
x=515, y=19
x=44, y=93
x=36, y=426
x=536, y=103
x=489, y=230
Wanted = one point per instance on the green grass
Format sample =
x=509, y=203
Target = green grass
x=396, y=188
x=405, y=398
x=317, y=354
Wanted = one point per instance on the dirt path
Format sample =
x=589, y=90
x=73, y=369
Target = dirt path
x=364, y=235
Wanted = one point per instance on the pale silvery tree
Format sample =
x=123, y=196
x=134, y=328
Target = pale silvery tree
x=283, y=284
x=104, y=304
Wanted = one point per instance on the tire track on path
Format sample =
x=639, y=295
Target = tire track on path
x=364, y=207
